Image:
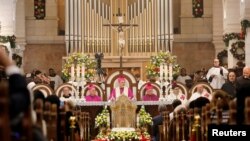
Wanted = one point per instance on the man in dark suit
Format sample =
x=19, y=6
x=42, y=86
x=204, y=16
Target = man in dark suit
x=242, y=91
x=157, y=120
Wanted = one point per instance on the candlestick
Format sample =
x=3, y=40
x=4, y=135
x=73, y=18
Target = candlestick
x=170, y=71
x=83, y=71
x=108, y=120
x=161, y=71
x=166, y=71
x=72, y=73
x=137, y=120
x=78, y=70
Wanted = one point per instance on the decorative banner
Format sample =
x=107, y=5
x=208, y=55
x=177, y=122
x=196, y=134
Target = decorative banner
x=197, y=8
x=39, y=9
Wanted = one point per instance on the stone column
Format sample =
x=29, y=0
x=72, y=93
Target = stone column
x=231, y=23
x=7, y=17
x=218, y=26
x=245, y=14
x=20, y=29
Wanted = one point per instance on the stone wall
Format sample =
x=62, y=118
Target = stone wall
x=43, y=57
x=194, y=56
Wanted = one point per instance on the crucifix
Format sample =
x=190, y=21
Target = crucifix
x=119, y=28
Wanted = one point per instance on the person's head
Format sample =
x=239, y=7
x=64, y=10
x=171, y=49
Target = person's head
x=52, y=72
x=200, y=88
x=149, y=89
x=246, y=72
x=38, y=95
x=92, y=90
x=121, y=81
x=199, y=102
x=162, y=108
x=53, y=99
x=183, y=72
x=216, y=62
x=66, y=91
x=138, y=77
x=175, y=103
x=176, y=90
x=231, y=76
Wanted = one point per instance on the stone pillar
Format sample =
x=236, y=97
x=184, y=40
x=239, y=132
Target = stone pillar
x=20, y=29
x=7, y=17
x=218, y=26
x=231, y=22
x=245, y=14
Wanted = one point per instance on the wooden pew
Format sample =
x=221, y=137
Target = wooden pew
x=50, y=116
x=247, y=111
x=38, y=106
x=232, y=112
x=4, y=113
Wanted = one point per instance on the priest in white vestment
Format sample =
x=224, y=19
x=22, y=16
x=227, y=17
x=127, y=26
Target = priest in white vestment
x=177, y=94
x=217, y=75
x=66, y=94
x=121, y=90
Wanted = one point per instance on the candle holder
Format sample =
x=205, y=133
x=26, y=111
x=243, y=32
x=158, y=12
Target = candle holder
x=166, y=78
x=78, y=79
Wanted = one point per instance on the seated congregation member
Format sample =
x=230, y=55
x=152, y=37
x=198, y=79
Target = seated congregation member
x=172, y=134
x=55, y=80
x=230, y=86
x=183, y=77
x=175, y=103
x=121, y=90
x=150, y=94
x=41, y=78
x=157, y=120
x=92, y=94
x=198, y=103
x=66, y=95
x=19, y=101
x=177, y=94
x=200, y=92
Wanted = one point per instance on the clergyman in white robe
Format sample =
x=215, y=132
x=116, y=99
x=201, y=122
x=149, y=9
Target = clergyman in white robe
x=217, y=75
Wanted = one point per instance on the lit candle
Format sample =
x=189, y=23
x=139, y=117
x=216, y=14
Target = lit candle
x=108, y=120
x=161, y=71
x=166, y=71
x=78, y=70
x=170, y=70
x=83, y=71
x=137, y=120
x=72, y=73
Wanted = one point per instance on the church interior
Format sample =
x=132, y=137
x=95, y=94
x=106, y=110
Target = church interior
x=109, y=70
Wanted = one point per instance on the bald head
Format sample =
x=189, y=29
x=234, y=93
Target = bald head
x=246, y=72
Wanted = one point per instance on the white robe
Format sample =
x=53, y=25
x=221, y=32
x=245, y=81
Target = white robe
x=180, y=96
x=218, y=79
x=118, y=93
